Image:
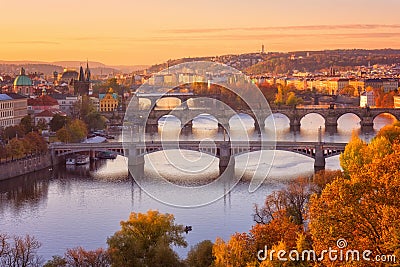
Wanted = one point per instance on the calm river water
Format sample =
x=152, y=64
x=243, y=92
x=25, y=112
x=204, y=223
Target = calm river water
x=83, y=205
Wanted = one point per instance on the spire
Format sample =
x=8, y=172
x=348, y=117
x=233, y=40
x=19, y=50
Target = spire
x=22, y=71
x=81, y=77
x=87, y=71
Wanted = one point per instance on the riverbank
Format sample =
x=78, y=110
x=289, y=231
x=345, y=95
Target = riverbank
x=24, y=166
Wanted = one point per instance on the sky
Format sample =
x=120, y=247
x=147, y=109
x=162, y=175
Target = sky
x=131, y=32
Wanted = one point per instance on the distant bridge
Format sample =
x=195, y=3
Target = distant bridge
x=224, y=150
x=295, y=115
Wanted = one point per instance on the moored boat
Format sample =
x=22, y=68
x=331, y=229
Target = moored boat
x=82, y=159
x=107, y=155
x=70, y=161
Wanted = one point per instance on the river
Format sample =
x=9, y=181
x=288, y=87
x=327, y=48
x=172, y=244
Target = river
x=83, y=205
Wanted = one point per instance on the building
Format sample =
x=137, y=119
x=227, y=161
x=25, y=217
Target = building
x=23, y=84
x=83, y=86
x=397, y=102
x=108, y=102
x=387, y=84
x=66, y=102
x=367, y=99
x=44, y=102
x=95, y=102
x=13, y=107
x=47, y=115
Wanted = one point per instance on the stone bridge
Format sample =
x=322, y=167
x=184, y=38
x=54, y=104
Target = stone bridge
x=226, y=151
x=295, y=115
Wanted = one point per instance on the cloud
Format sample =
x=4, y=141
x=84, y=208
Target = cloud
x=35, y=42
x=287, y=28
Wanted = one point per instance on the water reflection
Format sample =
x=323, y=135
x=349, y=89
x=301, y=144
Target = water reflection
x=83, y=205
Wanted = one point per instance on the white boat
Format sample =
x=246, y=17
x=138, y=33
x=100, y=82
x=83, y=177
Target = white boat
x=70, y=161
x=82, y=159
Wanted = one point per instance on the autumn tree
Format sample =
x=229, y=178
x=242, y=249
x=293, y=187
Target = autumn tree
x=200, y=255
x=364, y=209
x=146, y=240
x=15, y=148
x=19, y=251
x=237, y=252
x=292, y=100
x=73, y=132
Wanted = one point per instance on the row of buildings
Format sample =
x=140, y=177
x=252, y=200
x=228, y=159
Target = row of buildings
x=333, y=86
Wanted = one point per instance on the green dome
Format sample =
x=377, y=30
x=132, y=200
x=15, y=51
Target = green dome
x=22, y=79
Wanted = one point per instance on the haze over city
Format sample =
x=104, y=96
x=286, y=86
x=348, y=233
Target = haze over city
x=148, y=32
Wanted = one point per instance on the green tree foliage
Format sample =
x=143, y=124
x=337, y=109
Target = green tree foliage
x=58, y=121
x=73, y=132
x=27, y=124
x=292, y=100
x=95, y=121
x=200, y=255
x=145, y=240
x=86, y=111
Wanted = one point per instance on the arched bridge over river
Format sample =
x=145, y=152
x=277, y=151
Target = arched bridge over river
x=224, y=150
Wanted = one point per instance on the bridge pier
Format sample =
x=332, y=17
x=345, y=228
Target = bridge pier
x=152, y=128
x=187, y=128
x=331, y=124
x=136, y=166
x=260, y=126
x=319, y=163
x=295, y=124
x=226, y=161
x=223, y=127
x=367, y=124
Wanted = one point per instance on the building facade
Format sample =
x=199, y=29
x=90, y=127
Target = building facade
x=367, y=99
x=13, y=107
x=108, y=102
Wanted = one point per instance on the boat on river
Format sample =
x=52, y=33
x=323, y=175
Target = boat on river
x=82, y=159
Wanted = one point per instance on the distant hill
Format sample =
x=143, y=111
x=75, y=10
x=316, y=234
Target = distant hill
x=284, y=63
x=48, y=68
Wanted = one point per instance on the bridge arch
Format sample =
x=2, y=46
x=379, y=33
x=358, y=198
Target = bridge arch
x=169, y=119
x=349, y=113
x=205, y=119
x=385, y=112
x=306, y=119
x=279, y=119
x=169, y=102
x=241, y=118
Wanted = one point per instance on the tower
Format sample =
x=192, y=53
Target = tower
x=82, y=86
x=262, y=49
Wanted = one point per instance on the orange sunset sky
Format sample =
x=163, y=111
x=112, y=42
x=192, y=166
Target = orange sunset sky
x=130, y=32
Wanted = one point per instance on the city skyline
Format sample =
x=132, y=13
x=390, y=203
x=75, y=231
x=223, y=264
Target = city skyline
x=137, y=33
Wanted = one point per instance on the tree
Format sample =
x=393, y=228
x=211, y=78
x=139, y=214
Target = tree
x=95, y=121
x=364, y=209
x=19, y=251
x=145, y=240
x=237, y=252
x=292, y=100
x=42, y=125
x=36, y=142
x=12, y=132
x=279, y=97
x=201, y=255
x=15, y=148
x=73, y=132
x=354, y=155
x=57, y=122
x=390, y=132
x=27, y=124
x=348, y=90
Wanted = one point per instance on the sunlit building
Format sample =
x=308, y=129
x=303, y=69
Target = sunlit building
x=23, y=84
x=108, y=102
x=367, y=99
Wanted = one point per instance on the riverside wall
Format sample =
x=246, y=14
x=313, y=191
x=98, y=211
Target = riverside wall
x=24, y=166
